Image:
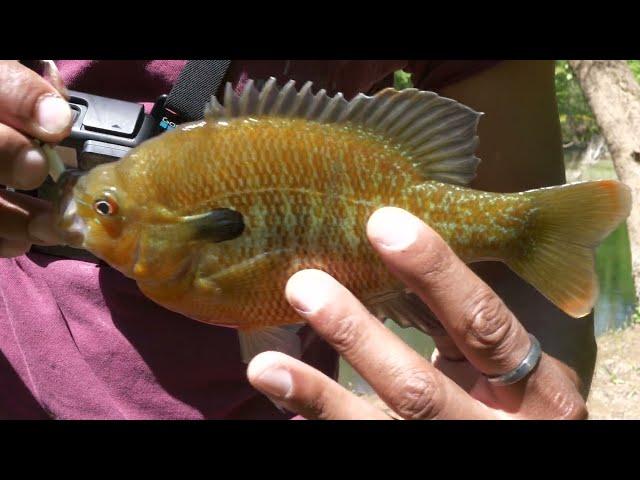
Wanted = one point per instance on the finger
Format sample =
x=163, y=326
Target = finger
x=460, y=371
x=401, y=377
x=22, y=165
x=27, y=219
x=433, y=327
x=479, y=323
x=482, y=327
x=31, y=105
x=13, y=248
x=447, y=348
x=302, y=389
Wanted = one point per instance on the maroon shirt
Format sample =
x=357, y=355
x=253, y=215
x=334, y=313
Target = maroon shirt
x=78, y=340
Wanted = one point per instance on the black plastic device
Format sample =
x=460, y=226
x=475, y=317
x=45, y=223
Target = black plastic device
x=105, y=129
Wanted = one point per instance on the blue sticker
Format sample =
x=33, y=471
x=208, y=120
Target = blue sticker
x=167, y=124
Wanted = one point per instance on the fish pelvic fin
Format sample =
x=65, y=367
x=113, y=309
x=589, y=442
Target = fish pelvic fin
x=437, y=134
x=570, y=222
x=283, y=339
x=407, y=310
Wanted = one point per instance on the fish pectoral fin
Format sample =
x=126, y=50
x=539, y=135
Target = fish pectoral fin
x=407, y=310
x=256, y=274
x=283, y=339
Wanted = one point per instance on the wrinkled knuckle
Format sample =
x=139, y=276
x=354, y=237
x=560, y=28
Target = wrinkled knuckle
x=11, y=144
x=488, y=323
x=345, y=333
x=18, y=86
x=319, y=406
x=577, y=412
x=418, y=395
x=25, y=103
x=570, y=407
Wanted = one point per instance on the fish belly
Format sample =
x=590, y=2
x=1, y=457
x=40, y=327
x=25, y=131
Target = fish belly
x=242, y=283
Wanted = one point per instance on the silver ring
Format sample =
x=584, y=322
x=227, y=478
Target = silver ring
x=526, y=366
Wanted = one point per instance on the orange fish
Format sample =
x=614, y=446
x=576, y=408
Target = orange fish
x=211, y=219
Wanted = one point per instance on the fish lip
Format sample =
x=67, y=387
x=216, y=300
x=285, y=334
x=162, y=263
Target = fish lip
x=71, y=225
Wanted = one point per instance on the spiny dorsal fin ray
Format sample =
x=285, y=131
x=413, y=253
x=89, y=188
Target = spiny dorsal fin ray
x=438, y=134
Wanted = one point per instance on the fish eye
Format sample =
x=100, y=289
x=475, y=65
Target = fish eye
x=105, y=206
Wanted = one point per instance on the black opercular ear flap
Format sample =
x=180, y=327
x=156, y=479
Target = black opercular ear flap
x=218, y=225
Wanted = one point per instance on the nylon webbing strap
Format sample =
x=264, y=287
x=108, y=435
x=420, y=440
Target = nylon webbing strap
x=197, y=82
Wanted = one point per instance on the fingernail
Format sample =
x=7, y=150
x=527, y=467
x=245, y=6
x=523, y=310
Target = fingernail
x=52, y=74
x=309, y=290
x=393, y=228
x=276, y=381
x=31, y=169
x=53, y=113
x=266, y=371
x=42, y=229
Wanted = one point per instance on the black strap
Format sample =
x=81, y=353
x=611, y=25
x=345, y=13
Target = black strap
x=197, y=82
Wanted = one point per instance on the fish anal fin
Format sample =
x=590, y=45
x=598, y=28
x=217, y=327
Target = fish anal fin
x=407, y=310
x=282, y=339
x=436, y=134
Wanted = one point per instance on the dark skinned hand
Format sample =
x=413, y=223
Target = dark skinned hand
x=483, y=337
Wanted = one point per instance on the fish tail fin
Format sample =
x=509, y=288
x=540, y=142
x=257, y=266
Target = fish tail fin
x=570, y=222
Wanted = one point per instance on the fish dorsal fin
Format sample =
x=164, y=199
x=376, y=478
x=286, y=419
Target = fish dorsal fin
x=438, y=134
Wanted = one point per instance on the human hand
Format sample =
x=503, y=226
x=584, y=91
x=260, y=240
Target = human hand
x=483, y=338
x=30, y=107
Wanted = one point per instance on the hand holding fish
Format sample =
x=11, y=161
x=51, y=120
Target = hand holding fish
x=29, y=107
x=483, y=338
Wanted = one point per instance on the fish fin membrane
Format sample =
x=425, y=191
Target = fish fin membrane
x=569, y=223
x=407, y=310
x=438, y=134
x=283, y=339
x=253, y=275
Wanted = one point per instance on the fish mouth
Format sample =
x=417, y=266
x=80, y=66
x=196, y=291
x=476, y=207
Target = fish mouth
x=71, y=224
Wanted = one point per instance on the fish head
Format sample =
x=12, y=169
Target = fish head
x=95, y=214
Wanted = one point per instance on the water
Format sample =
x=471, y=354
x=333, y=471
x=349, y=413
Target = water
x=615, y=303
x=613, y=264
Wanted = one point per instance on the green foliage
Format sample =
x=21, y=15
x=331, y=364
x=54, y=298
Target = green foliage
x=576, y=119
x=635, y=68
x=402, y=80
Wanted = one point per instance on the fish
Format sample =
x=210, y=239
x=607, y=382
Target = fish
x=212, y=218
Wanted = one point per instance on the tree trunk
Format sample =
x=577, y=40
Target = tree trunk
x=614, y=97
